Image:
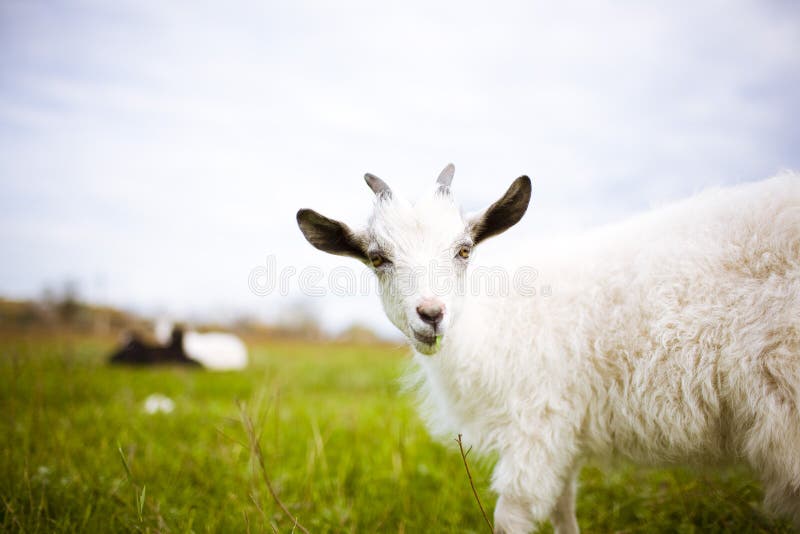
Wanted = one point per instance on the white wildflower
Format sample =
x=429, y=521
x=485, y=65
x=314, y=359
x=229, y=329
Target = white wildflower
x=157, y=402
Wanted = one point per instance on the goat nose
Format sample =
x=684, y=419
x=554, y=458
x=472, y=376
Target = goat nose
x=431, y=311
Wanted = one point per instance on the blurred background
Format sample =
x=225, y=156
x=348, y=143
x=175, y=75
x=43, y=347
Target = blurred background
x=153, y=154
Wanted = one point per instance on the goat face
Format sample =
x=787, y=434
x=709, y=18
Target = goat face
x=418, y=251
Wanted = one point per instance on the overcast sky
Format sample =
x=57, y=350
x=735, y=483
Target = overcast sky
x=156, y=152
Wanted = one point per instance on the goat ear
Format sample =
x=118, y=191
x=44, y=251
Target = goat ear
x=329, y=235
x=504, y=213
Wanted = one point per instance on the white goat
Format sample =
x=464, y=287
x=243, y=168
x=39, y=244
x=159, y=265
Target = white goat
x=674, y=337
x=218, y=351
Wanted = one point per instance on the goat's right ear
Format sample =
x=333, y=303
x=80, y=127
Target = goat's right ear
x=329, y=235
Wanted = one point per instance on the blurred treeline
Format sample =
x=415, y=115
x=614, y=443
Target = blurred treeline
x=60, y=311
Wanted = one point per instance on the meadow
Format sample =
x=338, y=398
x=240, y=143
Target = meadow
x=341, y=444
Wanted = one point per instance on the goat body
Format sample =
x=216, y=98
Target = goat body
x=671, y=338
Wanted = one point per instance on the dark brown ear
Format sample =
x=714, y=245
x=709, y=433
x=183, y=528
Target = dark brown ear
x=329, y=235
x=504, y=213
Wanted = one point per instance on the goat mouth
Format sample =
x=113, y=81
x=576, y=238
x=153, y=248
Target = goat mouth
x=428, y=344
x=427, y=339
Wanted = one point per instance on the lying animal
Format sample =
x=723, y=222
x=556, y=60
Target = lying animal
x=137, y=352
x=218, y=351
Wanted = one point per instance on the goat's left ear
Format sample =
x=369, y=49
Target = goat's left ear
x=504, y=213
x=330, y=235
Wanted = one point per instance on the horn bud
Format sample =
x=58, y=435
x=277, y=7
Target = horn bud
x=446, y=178
x=378, y=186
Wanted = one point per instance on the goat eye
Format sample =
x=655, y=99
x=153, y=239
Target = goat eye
x=464, y=251
x=377, y=260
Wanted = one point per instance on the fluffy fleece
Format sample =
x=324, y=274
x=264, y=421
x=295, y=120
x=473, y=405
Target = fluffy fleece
x=671, y=338
x=674, y=337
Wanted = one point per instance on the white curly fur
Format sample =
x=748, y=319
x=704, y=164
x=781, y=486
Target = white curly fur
x=673, y=337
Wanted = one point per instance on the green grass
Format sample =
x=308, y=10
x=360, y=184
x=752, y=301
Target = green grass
x=343, y=447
